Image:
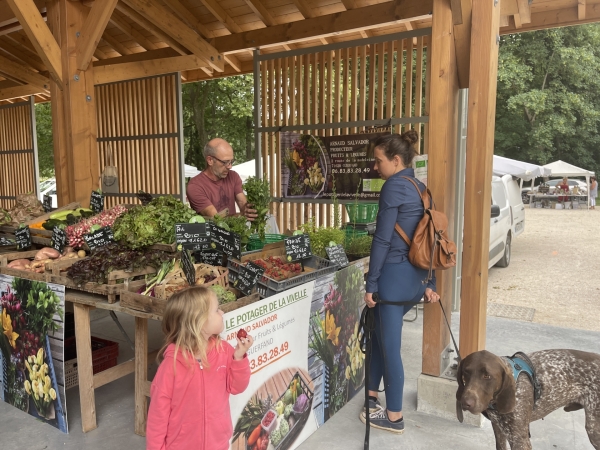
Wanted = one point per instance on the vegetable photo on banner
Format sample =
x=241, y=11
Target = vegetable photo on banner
x=258, y=193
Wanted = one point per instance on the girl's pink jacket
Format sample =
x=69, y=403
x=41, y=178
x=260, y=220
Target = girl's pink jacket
x=189, y=405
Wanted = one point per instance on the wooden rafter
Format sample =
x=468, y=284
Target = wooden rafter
x=22, y=53
x=221, y=15
x=524, y=11
x=552, y=19
x=18, y=91
x=23, y=73
x=160, y=53
x=146, y=24
x=581, y=5
x=109, y=73
x=263, y=14
x=14, y=25
x=457, y=15
x=119, y=21
x=38, y=32
x=115, y=44
x=305, y=10
x=190, y=18
x=233, y=62
x=99, y=54
x=327, y=25
x=178, y=30
x=349, y=4
x=93, y=27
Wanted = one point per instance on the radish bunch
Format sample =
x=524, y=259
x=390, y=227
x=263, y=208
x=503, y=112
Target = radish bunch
x=76, y=232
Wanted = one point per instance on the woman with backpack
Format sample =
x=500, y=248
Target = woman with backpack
x=393, y=277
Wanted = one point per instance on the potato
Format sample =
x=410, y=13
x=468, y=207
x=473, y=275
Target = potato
x=18, y=264
x=46, y=253
x=81, y=253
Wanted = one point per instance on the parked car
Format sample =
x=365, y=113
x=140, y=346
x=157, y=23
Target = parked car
x=48, y=187
x=552, y=184
x=507, y=219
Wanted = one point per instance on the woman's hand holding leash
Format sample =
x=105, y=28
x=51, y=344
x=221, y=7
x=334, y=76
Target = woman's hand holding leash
x=431, y=296
x=369, y=300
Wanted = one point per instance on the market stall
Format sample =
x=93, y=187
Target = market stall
x=132, y=259
x=572, y=199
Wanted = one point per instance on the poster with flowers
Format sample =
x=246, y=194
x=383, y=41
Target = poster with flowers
x=316, y=166
x=31, y=351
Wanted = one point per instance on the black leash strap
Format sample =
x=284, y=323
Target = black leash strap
x=366, y=327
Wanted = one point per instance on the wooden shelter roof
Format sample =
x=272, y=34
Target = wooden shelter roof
x=147, y=37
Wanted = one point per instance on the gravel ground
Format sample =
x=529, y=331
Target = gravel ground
x=555, y=269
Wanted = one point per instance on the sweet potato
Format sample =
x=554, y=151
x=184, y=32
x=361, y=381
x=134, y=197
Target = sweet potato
x=46, y=253
x=18, y=264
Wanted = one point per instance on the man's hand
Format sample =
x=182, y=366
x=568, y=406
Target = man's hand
x=431, y=296
x=243, y=345
x=251, y=214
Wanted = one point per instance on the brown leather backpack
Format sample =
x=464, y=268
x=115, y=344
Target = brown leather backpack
x=431, y=248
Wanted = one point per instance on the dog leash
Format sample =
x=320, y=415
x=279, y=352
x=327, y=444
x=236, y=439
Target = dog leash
x=366, y=327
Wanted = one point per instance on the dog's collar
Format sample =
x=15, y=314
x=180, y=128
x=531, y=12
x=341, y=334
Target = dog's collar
x=520, y=363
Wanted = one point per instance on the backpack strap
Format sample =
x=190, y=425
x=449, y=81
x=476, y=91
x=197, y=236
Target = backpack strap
x=425, y=196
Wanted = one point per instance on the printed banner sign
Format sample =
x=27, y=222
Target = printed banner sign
x=32, y=350
x=315, y=166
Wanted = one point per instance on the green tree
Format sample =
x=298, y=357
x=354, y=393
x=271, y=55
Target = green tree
x=43, y=119
x=219, y=108
x=548, y=100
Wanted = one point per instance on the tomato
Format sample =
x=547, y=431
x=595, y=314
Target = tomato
x=242, y=334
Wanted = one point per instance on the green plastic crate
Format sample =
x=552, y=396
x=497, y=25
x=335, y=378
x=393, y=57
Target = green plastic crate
x=352, y=233
x=362, y=212
x=256, y=244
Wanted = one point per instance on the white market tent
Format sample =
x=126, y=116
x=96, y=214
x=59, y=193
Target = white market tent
x=191, y=171
x=524, y=171
x=562, y=169
x=245, y=170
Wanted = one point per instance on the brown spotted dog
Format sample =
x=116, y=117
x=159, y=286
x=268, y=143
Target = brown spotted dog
x=568, y=378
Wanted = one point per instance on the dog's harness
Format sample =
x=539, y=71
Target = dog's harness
x=520, y=363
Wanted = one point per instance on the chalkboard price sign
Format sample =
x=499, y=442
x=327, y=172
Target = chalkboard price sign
x=100, y=238
x=4, y=242
x=188, y=267
x=193, y=236
x=337, y=254
x=248, y=277
x=97, y=202
x=212, y=257
x=297, y=247
x=59, y=239
x=47, y=203
x=226, y=241
x=23, y=238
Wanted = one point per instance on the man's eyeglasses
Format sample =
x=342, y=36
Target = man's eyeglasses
x=231, y=162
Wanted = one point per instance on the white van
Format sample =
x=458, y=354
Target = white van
x=507, y=219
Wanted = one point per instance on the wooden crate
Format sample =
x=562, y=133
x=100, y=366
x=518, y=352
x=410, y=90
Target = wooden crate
x=118, y=280
x=6, y=258
x=130, y=299
x=9, y=229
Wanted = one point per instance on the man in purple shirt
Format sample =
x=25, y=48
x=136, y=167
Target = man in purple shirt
x=218, y=187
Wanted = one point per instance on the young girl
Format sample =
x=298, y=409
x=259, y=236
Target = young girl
x=189, y=397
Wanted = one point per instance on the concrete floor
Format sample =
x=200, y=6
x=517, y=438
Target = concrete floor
x=115, y=406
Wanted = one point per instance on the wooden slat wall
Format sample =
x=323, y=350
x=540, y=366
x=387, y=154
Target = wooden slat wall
x=146, y=110
x=357, y=83
x=17, y=162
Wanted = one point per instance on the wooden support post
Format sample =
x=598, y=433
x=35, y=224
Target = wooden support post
x=443, y=95
x=74, y=114
x=85, y=367
x=478, y=189
x=141, y=375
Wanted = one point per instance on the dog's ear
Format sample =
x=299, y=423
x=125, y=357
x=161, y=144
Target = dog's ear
x=506, y=397
x=459, y=392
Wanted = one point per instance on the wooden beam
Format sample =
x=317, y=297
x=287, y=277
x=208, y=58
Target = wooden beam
x=91, y=32
x=504, y=21
x=199, y=75
x=581, y=4
x=146, y=24
x=524, y=11
x=263, y=14
x=119, y=21
x=36, y=29
x=19, y=91
x=349, y=4
x=109, y=73
x=462, y=43
x=22, y=54
x=190, y=18
x=327, y=25
x=116, y=45
x=509, y=8
x=478, y=179
x=166, y=52
x=554, y=19
x=233, y=62
x=23, y=73
x=517, y=20
x=174, y=27
x=306, y=11
x=443, y=117
x=221, y=15
x=457, y=15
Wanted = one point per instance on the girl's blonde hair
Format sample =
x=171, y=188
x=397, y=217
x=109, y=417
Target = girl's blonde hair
x=184, y=318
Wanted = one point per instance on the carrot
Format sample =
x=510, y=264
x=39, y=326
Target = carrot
x=254, y=435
